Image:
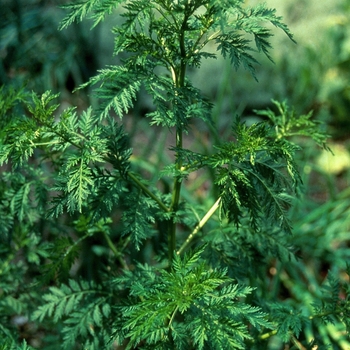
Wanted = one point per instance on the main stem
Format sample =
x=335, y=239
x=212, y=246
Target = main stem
x=175, y=201
x=179, y=82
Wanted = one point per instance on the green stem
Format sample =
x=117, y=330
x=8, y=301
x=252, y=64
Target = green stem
x=173, y=316
x=110, y=244
x=115, y=251
x=204, y=220
x=268, y=334
x=325, y=314
x=179, y=82
x=148, y=192
x=175, y=202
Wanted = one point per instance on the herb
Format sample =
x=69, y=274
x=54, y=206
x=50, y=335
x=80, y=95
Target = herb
x=127, y=256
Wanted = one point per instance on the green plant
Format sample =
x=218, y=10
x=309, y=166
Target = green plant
x=116, y=252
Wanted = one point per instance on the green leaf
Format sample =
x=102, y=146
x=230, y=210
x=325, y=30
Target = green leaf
x=213, y=315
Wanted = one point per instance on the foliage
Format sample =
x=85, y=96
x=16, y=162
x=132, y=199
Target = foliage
x=95, y=238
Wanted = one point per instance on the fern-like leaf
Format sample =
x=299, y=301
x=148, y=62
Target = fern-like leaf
x=139, y=218
x=62, y=302
x=117, y=90
x=207, y=300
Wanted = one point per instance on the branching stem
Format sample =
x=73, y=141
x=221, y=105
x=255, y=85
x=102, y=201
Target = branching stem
x=115, y=251
x=204, y=220
x=173, y=316
x=147, y=191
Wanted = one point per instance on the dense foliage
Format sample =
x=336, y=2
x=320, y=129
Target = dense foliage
x=104, y=246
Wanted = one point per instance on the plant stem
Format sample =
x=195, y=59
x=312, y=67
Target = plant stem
x=173, y=316
x=115, y=251
x=268, y=334
x=148, y=192
x=204, y=220
x=175, y=202
x=179, y=82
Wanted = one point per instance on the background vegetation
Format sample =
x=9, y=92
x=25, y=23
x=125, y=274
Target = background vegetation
x=312, y=75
